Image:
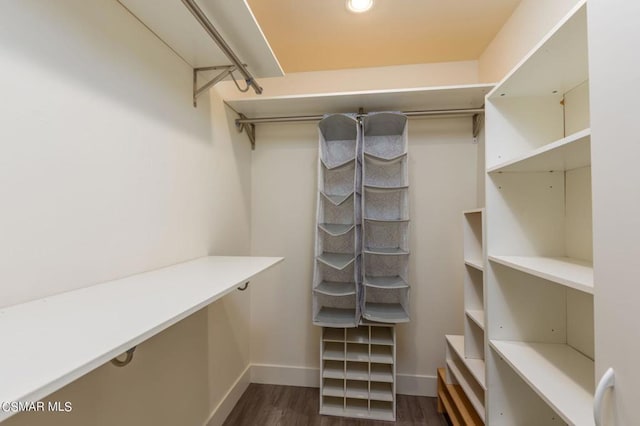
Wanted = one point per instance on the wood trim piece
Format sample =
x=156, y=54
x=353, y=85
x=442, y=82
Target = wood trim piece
x=453, y=401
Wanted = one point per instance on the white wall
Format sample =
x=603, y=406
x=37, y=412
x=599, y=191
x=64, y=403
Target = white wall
x=107, y=170
x=531, y=20
x=285, y=344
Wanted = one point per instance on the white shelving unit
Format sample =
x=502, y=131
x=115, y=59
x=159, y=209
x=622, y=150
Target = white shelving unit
x=357, y=372
x=93, y=334
x=465, y=354
x=539, y=274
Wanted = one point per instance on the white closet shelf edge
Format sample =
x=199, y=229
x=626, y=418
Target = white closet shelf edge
x=50, y=342
x=572, y=273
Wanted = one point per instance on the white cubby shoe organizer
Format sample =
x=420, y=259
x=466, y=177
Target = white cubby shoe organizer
x=357, y=369
x=539, y=275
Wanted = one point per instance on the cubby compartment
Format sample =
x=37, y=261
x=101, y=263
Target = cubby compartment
x=335, y=282
x=333, y=311
x=340, y=181
x=357, y=352
x=474, y=294
x=386, y=204
x=362, y=367
x=473, y=238
x=358, y=335
x=333, y=351
x=386, y=272
x=382, y=373
x=385, y=135
x=338, y=139
x=386, y=238
x=357, y=389
x=333, y=387
x=386, y=305
x=379, y=173
x=333, y=370
x=357, y=371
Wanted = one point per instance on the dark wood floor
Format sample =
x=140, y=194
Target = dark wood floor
x=271, y=405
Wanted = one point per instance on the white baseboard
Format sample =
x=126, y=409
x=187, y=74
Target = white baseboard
x=310, y=377
x=231, y=398
x=410, y=384
x=285, y=375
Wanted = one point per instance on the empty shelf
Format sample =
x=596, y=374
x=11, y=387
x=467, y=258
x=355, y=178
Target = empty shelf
x=477, y=316
x=333, y=335
x=563, y=377
x=382, y=373
x=93, y=334
x=475, y=366
x=385, y=188
x=385, y=159
x=381, y=391
x=576, y=274
x=568, y=153
x=395, y=251
x=381, y=354
x=333, y=351
x=337, y=199
x=333, y=387
x=357, y=371
x=381, y=336
x=370, y=219
x=358, y=335
x=331, y=371
x=385, y=282
x=357, y=389
x=335, y=229
x=336, y=164
x=356, y=352
x=331, y=288
x=477, y=404
x=336, y=260
x=336, y=317
x=385, y=312
x=474, y=263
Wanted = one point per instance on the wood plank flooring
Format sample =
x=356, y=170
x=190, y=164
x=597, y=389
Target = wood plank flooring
x=272, y=405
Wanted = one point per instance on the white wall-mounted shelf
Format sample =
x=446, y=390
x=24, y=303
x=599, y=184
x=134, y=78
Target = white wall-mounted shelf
x=477, y=316
x=172, y=22
x=559, y=374
x=557, y=64
x=573, y=273
x=474, y=263
x=422, y=98
x=50, y=342
x=458, y=368
x=571, y=152
x=475, y=366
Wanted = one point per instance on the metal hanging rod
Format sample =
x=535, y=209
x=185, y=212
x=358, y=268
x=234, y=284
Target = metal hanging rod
x=248, y=125
x=294, y=118
x=226, y=49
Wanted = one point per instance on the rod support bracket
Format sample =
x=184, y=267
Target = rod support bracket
x=197, y=91
x=128, y=358
x=244, y=287
x=477, y=126
x=249, y=129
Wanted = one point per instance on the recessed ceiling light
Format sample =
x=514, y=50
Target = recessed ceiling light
x=359, y=6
